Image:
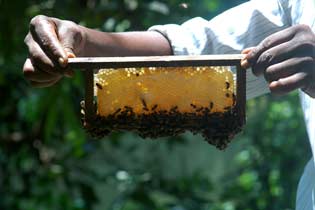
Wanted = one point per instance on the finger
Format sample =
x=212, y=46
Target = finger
x=288, y=84
x=40, y=59
x=244, y=62
x=247, y=50
x=34, y=74
x=288, y=68
x=272, y=56
x=269, y=42
x=44, y=31
x=40, y=76
x=68, y=41
x=69, y=72
x=42, y=84
x=28, y=66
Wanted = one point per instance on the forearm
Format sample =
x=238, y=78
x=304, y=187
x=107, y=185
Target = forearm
x=146, y=43
x=52, y=41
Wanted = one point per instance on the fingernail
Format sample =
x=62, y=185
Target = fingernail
x=244, y=51
x=247, y=56
x=245, y=64
x=273, y=84
x=62, y=62
x=70, y=55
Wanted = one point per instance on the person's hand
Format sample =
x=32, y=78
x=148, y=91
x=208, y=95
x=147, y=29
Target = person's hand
x=50, y=43
x=287, y=60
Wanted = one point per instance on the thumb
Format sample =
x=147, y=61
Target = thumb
x=67, y=41
x=68, y=38
x=244, y=62
x=247, y=50
x=69, y=72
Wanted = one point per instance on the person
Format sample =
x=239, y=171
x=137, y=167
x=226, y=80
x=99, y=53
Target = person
x=277, y=37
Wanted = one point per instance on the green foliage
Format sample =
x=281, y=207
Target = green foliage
x=47, y=161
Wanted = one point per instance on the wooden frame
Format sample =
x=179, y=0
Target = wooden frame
x=88, y=64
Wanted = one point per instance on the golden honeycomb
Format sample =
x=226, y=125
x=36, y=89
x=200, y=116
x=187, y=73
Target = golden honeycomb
x=157, y=88
x=167, y=101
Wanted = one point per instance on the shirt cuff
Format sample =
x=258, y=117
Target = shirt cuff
x=168, y=32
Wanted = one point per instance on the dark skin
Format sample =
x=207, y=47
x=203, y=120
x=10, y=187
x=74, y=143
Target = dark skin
x=286, y=58
x=51, y=42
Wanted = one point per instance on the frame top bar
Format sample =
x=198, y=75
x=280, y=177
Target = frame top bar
x=155, y=61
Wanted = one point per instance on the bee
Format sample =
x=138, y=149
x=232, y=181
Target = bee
x=211, y=105
x=154, y=107
x=227, y=84
x=99, y=86
x=144, y=104
x=173, y=109
x=200, y=109
x=128, y=108
x=234, y=99
x=117, y=111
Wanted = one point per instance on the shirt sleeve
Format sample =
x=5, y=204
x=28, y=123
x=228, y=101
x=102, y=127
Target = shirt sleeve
x=240, y=27
x=305, y=199
x=303, y=12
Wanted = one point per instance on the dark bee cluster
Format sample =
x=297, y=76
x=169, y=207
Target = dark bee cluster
x=218, y=128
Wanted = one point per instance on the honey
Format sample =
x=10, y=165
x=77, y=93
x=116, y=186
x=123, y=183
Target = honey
x=164, y=88
x=162, y=96
x=158, y=102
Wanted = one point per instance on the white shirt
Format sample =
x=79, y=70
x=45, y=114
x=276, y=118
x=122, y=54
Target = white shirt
x=244, y=26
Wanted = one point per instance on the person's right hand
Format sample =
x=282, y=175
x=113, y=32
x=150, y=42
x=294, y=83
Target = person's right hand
x=50, y=43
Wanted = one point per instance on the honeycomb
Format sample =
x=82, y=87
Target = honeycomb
x=155, y=89
x=167, y=101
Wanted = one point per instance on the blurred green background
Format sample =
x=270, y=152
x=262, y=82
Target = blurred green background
x=47, y=162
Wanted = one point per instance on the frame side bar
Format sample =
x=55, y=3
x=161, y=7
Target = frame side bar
x=241, y=93
x=89, y=95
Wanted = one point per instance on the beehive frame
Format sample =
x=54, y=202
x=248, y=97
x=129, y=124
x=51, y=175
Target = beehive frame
x=88, y=64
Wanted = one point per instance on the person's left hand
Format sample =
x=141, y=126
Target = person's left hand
x=287, y=60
